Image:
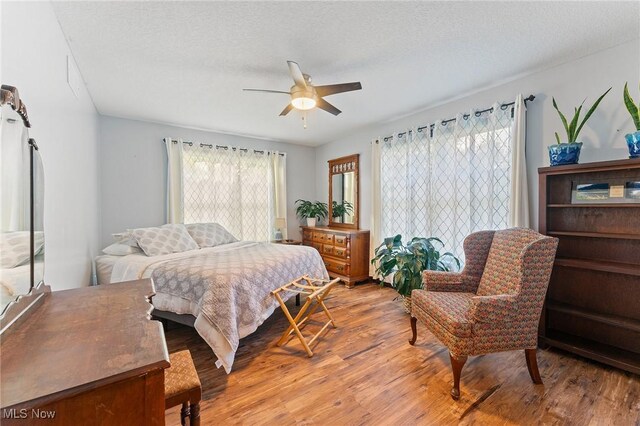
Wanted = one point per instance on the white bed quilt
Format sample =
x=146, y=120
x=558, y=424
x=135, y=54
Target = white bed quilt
x=227, y=288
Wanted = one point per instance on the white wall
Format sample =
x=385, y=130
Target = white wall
x=133, y=171
x=34, y=57
x=570, y=83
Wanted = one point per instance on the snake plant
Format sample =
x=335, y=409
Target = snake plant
x=572, y=127
x=633, y=109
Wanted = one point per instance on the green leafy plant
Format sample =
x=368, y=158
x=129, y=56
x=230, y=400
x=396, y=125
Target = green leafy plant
x=572, y=127
x=341, y=209
x=633, y=109
x=308, y=209
x=407, y=262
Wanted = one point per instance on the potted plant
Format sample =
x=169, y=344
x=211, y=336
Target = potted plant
x=339, y=210
x=633, y=139
x=569, y=152
x=311, y=211
x=406, y=263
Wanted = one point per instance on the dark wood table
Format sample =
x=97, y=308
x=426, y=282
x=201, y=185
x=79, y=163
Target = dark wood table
x=86, y=356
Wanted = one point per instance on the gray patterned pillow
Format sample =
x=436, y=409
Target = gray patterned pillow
x=15, y=247
x=165, y=239
x=210, y=234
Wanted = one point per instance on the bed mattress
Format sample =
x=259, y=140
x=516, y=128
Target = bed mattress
x=104, y=267
x=227, y=288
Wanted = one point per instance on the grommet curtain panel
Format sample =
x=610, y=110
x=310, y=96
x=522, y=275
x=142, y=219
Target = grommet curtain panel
x=460, y=177
x=519, y=200
x=175, y=208
x=243, y=190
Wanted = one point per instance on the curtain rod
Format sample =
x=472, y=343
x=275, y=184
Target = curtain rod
x=202, y=145
x=465, y=116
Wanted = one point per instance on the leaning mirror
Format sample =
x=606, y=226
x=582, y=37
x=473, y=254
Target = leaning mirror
x=343, y=192
x=21, y=203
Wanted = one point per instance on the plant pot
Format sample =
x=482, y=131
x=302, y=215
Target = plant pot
x=311, y=221
x=633, y=142
x=564, y=153
x=406, y=303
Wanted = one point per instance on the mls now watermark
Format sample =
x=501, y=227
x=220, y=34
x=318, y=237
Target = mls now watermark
x=23, y=413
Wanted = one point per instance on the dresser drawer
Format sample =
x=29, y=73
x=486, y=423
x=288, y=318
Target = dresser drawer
x=340, y=252
x=318, y=237
x=328, y=239
x=337, y=266
x=327, y=249
x=317, y=246
x=341, y=240
x=307, y=235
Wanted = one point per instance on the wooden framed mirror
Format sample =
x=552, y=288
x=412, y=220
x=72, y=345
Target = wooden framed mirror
x=344, y=187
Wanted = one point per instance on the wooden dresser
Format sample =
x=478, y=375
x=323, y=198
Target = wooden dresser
x=593, y=301
x=86, y=356
x=345, y=251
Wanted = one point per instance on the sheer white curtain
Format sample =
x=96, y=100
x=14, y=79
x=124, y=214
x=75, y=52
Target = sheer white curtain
x=243, y=190
x=14, y=175
x=450, y=183
x=175, y=195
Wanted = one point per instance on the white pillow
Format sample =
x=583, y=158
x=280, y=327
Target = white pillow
x=125, y=238
x=210, y=234
x=165, y=239
x=15, y=247
x=119, y=249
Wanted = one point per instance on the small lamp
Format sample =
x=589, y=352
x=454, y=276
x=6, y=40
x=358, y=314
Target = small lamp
x=281, y=223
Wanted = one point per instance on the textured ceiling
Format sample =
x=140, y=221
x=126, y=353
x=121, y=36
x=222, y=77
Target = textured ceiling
x=186, y=63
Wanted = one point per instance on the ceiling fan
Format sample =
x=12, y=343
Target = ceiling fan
x=306, y=96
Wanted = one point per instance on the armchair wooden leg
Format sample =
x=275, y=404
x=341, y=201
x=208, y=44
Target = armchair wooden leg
x=456, y=366
x=532, y=365
x=184, y=413
x=194, y=416
x=413, y=330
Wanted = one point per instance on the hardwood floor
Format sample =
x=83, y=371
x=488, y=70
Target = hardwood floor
x=365, y=372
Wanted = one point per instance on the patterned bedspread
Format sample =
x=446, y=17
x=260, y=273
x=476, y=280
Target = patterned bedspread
x=233, y=288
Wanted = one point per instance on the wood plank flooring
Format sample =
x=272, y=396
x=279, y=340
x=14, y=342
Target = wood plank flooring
x=365, y=372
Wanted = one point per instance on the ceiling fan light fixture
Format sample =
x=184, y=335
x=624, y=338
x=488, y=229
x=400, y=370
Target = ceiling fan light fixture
x=303, y=99
x=303, y=103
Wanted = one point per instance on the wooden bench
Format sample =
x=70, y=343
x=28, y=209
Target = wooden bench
x=182, y=386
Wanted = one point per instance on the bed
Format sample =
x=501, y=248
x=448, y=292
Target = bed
x=17, y=281
x=227, y=288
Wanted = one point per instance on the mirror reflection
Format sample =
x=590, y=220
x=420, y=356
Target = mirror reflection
x=343, y=191
x=15, y=209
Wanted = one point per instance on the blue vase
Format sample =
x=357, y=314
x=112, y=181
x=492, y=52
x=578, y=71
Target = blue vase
x=633, y=142
x=564, y=153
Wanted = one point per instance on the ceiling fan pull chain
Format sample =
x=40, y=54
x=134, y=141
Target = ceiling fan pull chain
x=304, y=119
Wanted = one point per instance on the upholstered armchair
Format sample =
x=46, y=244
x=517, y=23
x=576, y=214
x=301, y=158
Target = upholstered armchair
x=494, y=304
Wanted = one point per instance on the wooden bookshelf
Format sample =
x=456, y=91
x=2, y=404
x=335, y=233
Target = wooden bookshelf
x=592, y=306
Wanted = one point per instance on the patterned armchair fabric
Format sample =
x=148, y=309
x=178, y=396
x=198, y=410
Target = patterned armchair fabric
x=495, y=303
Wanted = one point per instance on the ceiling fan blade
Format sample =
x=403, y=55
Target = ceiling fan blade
x=296, y=74
x=286, y=110
x=332, y=89
x=322, y=104
x=265, y=91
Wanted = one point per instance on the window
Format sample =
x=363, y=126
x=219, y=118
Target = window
x=233, y=187
x=450, y=183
